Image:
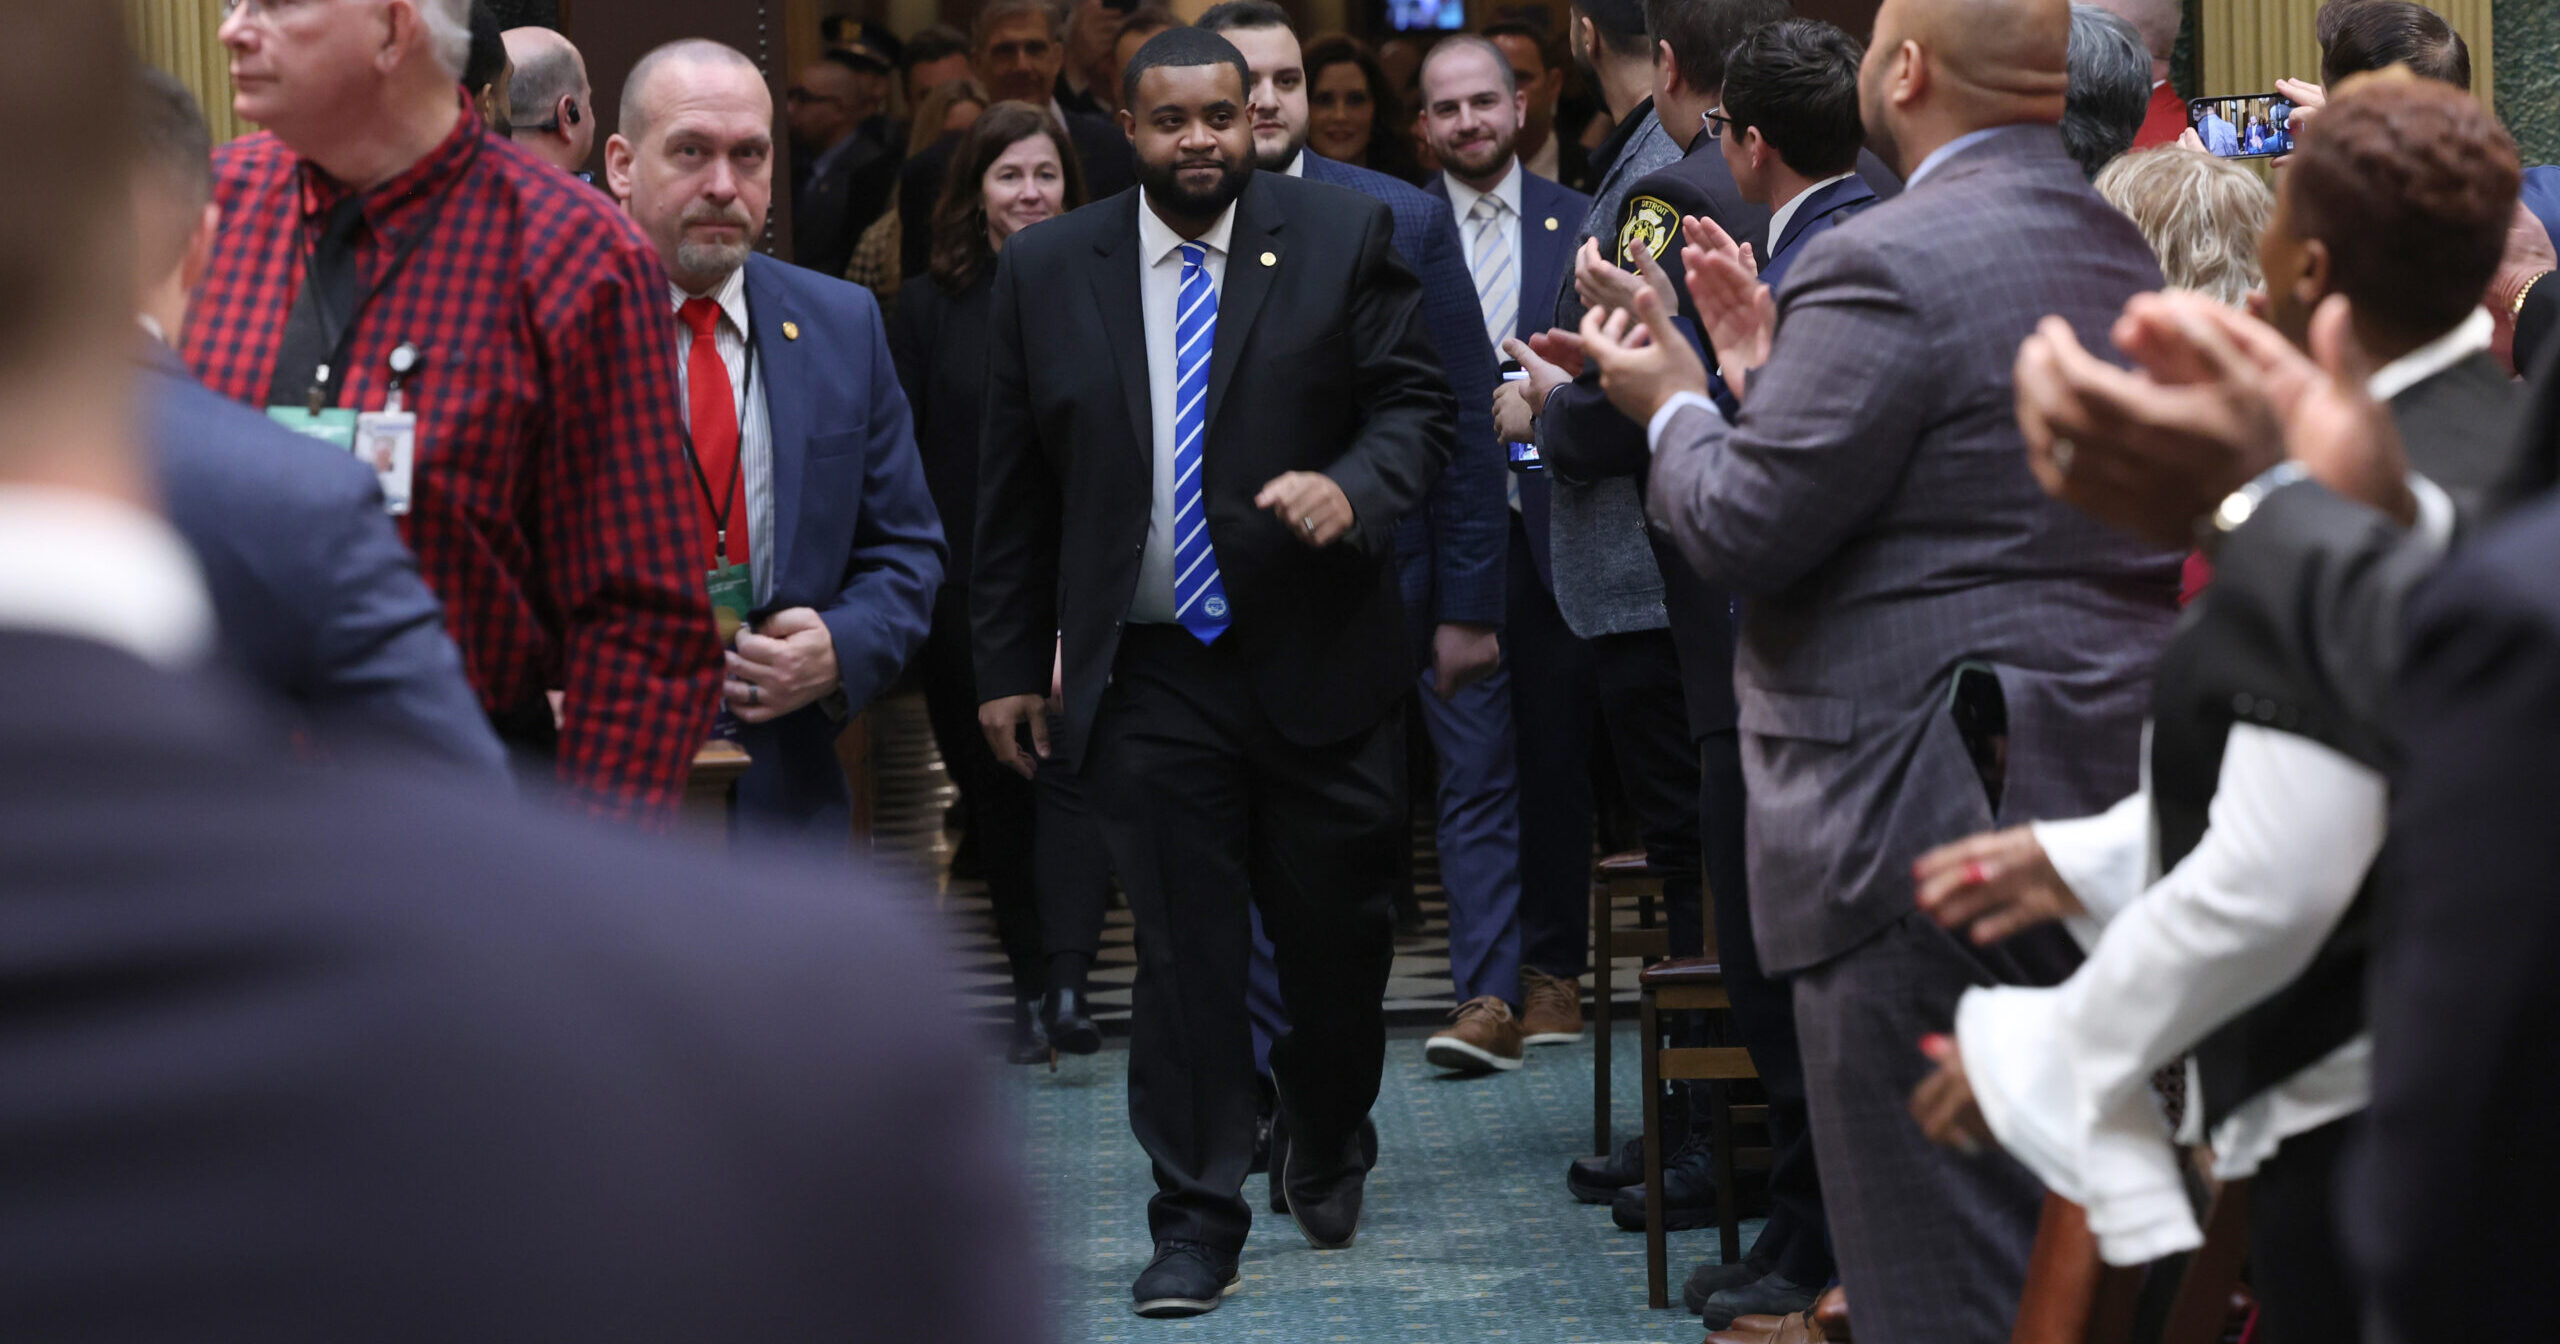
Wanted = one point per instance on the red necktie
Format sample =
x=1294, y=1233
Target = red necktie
x=712, y=413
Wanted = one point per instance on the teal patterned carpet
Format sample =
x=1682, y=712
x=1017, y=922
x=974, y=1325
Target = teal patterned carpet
x=1468, y=1233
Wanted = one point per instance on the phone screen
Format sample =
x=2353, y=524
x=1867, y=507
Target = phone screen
x=2243, y=125
x=1524, y=456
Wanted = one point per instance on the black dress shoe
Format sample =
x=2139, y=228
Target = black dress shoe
x=1769, y=1295
x=1712, y=1277
x=1688, y=1192
x=1070, y=1026
x=1185, y=1279
x=1030, y=1044
x=1325, y=1195
x=1272, y=1150
x=1597, y=1180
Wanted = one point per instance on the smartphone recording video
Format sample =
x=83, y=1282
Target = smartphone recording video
x=2243, y=125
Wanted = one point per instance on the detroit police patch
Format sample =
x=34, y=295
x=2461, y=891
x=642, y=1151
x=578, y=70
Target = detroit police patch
x=1651, y=221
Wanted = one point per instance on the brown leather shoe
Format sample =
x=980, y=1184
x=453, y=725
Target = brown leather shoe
x=1751, y=1330
x=1483, y=1036
x=1831, y=1315
x=1550, y=1008
x=1826, y=1323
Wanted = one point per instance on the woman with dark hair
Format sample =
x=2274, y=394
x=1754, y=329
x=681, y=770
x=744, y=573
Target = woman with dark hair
x=1045, y=871
x=1353, y=113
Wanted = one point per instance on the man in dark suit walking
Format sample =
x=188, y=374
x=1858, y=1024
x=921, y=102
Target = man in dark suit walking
x=1449, y=554
x=828, y=548
x=306, y=1055
x=316, y=598
x=844, y=175
x=1913, y=605
x=1518, y=229
x=1201, y=504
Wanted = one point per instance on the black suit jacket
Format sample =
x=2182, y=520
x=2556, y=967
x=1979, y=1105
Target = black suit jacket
x=939, y=341
x=2455, y=1179
x=1320, y=364
x=298, y=1055
x=831, y=209
x=1102, y=151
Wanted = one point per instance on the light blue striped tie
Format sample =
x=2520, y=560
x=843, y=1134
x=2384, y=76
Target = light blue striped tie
x=1199, y=599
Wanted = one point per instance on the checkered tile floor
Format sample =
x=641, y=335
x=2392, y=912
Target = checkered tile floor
x=908, y=830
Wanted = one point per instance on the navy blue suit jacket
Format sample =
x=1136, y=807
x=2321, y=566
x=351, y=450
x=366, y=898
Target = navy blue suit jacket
x=856, y=536
x=361, y=1053
x=1824, y=209
x=1550, y=212
x=1452, y=551
x=317, y=599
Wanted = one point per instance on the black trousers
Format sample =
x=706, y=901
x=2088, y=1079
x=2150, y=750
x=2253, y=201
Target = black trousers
x=1648, y=723
x=1048, y=876
x=1554, y=712
x=1206, y=806
x=2297, y=1262
x=1796, y=1241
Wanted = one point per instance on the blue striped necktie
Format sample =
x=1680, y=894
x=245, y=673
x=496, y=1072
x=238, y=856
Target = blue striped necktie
x=1199, y=599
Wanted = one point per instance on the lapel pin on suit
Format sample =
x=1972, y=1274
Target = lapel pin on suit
x=1551, y=223
x=791, y=331
x=1270, y=258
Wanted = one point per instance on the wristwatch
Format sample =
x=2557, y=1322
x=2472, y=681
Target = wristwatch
x=2237, y=507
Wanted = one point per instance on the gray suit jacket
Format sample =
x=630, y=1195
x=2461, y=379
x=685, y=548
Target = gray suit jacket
x=1873, y=507
x=1607, y=580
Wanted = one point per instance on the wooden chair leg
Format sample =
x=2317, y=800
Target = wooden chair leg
x=1657, y=1271
x=1728, y=1212
x=1602, y=953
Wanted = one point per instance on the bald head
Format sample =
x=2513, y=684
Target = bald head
x=1939, y=69
x=646, y=92
x=549, y=103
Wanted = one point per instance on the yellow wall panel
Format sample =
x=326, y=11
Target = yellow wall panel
x=2249, y=44
x=179, y=37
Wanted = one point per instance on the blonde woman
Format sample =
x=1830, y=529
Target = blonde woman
x=2201, y=215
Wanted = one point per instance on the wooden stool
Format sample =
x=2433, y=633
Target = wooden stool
x=1690, y=984
x=717, y=766
x=1608, y=942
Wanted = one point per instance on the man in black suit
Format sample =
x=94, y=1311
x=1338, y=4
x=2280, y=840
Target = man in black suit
x=844, y=175
x=317, y=599
x=1208, y=404
x=1016, y=48
x=301, y=1055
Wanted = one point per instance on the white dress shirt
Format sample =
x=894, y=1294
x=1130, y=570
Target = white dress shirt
x=81, y=565
x=1160, y=289
x=755, y=420
x=2062, y=1074
x=2468, y=337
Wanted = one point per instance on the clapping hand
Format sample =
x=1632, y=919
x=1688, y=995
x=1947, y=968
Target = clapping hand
x=1736, y=311
x=1644, y=360
x=1601, y=284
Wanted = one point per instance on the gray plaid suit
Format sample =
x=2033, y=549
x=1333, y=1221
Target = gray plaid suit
x=1873, y=508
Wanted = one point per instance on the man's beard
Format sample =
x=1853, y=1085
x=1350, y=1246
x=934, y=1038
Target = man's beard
x=697, y=258
x=1483, y=158
x=1278, y=160
x=1163, y=183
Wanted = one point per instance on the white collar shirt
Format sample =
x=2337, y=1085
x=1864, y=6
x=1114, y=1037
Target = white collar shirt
x=2469, y=337
x=1784, y=215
